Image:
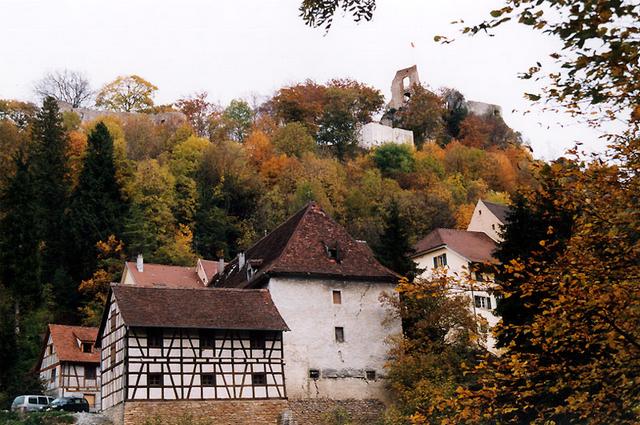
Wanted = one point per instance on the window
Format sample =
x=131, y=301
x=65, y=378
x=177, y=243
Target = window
x=53, y=374
x=314, y=374
x=155, y=379
x=90, y=372
x=112, y=354
x=33, y=400
x=207, y=339
x=208, y=379
x=113, y=320
x=50, y=349
x=482, y=302
x=337, y=297
x=339, y=334
x=87, y=347
x=257, y=341
x=259, y=378
x=43, y=400
x=371, y=375
x=440, y=260
x=154, y=338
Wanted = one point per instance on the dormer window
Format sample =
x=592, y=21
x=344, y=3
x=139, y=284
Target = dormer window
x=87, y=347
x=333, y=251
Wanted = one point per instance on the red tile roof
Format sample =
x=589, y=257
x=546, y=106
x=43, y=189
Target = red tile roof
x=299, y=246
x=475, y=246
x=65, y=341
x=158, y=275
x=206, y=308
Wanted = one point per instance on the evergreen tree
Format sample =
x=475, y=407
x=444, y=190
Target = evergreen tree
x=394, y=247
x=97, y=206
x=50, y=169
x=531, y=219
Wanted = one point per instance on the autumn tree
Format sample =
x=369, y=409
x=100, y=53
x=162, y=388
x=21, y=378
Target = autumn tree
x=423, y=114
x=440, y=334
x=392, y=159
x=293, y=139
x=198, y=111
x=130, y=93
x=234, y=123
x=68, y=86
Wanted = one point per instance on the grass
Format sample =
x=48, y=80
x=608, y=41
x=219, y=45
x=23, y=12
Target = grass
x=36, y=418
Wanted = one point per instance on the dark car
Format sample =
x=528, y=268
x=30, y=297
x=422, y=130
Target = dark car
x=69, y=404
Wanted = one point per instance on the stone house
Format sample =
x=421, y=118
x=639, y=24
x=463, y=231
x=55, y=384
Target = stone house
x=69, y=364
x=327, y=287
x=464, y=253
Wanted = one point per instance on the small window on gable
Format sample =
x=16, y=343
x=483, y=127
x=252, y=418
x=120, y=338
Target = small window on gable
x=155, y=379
x=371, y=375
x=339, y=331
x=479, y=212
x=208, y=379
x=155, y=338
x=207, y=339
x=53, y=374
x=113, y=320
x=87, y=347
x=440, y=260
x=259, y=378
x=314, y=374
x=337, y=297
x=257, y=341
x=112, y=354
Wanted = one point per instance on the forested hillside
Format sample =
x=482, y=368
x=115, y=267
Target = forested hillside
x=80, y=197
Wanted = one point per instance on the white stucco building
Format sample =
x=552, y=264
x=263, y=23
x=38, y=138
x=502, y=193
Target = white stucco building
x=375, y=134
x=326, y=286
x=463, y=253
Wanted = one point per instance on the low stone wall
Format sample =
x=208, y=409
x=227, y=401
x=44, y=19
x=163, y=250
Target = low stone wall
x=321, y=411
x=219, y=412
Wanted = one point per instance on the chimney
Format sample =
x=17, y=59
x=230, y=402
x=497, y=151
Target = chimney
x=240, y=260
x=221, y=266
x=140, y=263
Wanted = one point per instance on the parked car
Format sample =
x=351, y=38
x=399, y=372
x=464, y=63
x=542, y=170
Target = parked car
x=30, y=403
x=69, y=404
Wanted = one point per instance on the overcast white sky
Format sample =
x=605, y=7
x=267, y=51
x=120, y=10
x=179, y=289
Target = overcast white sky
x=242, y=48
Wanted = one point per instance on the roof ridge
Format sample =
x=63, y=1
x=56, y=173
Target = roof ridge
x=71, y=326
x=305, y=210
x=204, y=288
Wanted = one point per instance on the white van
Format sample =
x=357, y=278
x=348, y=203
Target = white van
x=30, y=403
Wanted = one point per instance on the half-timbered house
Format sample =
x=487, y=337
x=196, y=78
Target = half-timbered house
x=177, y=344
x=327, y=286
x=69, y=364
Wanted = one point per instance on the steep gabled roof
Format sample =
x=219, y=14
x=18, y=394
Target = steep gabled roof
x=65, y=341
x=300, y=246
x=206, y=308
x=159, y=275
x=475, y=246
x=499, y=210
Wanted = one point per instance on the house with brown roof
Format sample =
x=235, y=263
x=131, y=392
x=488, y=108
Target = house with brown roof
x=327, y=287
x=464, y=253
x=166, y=348
x=140, y=273
x=69, y=364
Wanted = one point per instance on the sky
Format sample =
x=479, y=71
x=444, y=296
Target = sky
x=248, y=49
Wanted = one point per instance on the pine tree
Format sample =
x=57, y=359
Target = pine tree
x=50, y=169
x=19, y=244
x=394, y=247
x=97, y=206
x=530, y=220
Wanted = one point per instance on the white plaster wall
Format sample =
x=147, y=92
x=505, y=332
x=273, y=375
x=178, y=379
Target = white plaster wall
x=457, y=265
x=307, y=307
x=375, y=134
x=484, y=221
x=112, y=375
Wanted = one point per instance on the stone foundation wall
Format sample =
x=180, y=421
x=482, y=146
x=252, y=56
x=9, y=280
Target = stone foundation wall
x=201, y=412
x=321, y=411
x=115, y=414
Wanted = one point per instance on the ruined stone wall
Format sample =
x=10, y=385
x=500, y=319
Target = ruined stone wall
x=219, y=412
